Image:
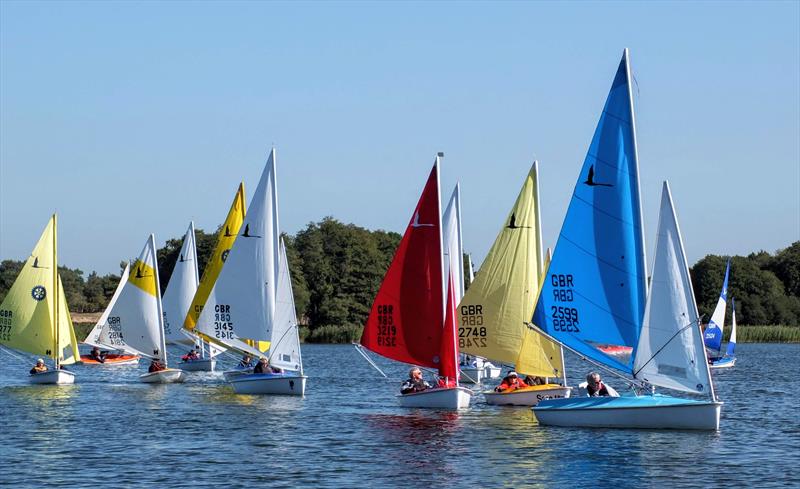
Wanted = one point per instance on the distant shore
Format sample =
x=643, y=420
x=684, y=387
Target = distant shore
x=85, y=321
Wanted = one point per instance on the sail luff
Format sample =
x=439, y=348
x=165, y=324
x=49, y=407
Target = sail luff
x=635, y=166
x=538, y=226
x=55, y=287
x=459, y=259
x=732, y=339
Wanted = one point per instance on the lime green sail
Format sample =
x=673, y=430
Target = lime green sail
x=495, y=310
x=29, y=318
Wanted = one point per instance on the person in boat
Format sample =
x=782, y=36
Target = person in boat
x=595, y=386
x=511, y=382
x=535, y=380
x=414, y=383
x=246, y=362
x=39, y=368
x=156, y=366
x=262, y=367
x=97, y=355
x=191, y=356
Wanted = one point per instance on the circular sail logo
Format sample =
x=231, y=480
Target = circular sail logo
x=225, y=255
x=38, y=293
x=700, y=387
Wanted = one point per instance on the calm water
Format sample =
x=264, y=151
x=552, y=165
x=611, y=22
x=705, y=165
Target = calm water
x=349, y=432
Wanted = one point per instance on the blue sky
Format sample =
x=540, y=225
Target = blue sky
x=132, y=118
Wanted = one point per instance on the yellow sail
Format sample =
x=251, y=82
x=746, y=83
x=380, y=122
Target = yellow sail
x=28, y=312
x=498, y=304
x=225, y=238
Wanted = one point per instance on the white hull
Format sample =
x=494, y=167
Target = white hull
x=526, y=397
x=471, y=375
x=695, y=416
x=437, y=398
x=723, y=364
x=201, y=365
x=292, y=385
x=168, y=376
x=53, y=377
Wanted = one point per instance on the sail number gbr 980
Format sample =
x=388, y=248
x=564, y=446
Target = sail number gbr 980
x=223, y=326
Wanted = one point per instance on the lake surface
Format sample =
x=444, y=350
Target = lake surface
x=349, y=432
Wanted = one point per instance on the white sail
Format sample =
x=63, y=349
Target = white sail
x=453, y=246
x=180, y=291
x=241, y=305
x=137, y=310
x=670, y=352
x=106, y=333
x=284, y=348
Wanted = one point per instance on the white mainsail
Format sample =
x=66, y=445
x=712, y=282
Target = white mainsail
x=243, y=305
x=106, y=333
x=453, y=245
x=138, y=309
x=670, y=352
x=181, y=289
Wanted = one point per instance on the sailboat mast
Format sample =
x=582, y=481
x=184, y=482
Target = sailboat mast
x=55, y=289
x=160, y=307
x=539, y=255
x=635, y=165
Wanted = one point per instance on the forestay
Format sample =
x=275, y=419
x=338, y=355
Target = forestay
x=670, y=352
x=595, y=290
x=181, y=290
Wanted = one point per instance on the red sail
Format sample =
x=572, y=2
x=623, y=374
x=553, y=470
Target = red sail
x=405, y=323
x=449, y=350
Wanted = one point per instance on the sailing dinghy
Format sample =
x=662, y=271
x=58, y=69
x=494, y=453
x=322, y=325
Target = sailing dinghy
x=252, y=300
x=413, y=317
x=494, y=312
x=139, y=317
x=712, y=336
x=729, y=360
x=106, y=334
x=595, y=293
x=34, y=316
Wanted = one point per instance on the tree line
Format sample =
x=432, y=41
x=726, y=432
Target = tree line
x=337, y=268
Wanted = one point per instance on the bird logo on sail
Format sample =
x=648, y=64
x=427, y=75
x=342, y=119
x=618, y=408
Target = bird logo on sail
x=39, y=293
x=36, y=262
x=590, y=180
x=139, y=273
x=247, y=234
x=224, y=255
x=512, y=224
x=416, y=224
x=228, y=232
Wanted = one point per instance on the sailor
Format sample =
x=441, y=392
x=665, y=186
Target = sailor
x=414, y=383
x=39, y=368
x=156, y=366
x=97, y=355
x=191, y=356
x=262, y=367
x=246, y=362
x=595, y=386
x=511, y=382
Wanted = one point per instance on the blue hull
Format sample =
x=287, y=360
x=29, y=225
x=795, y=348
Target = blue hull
x=648, y=412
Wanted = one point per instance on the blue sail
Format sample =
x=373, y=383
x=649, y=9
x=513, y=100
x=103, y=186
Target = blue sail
x=712, y=336
x=595, y=291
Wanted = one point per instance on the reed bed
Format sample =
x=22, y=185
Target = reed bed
x=767, y=334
